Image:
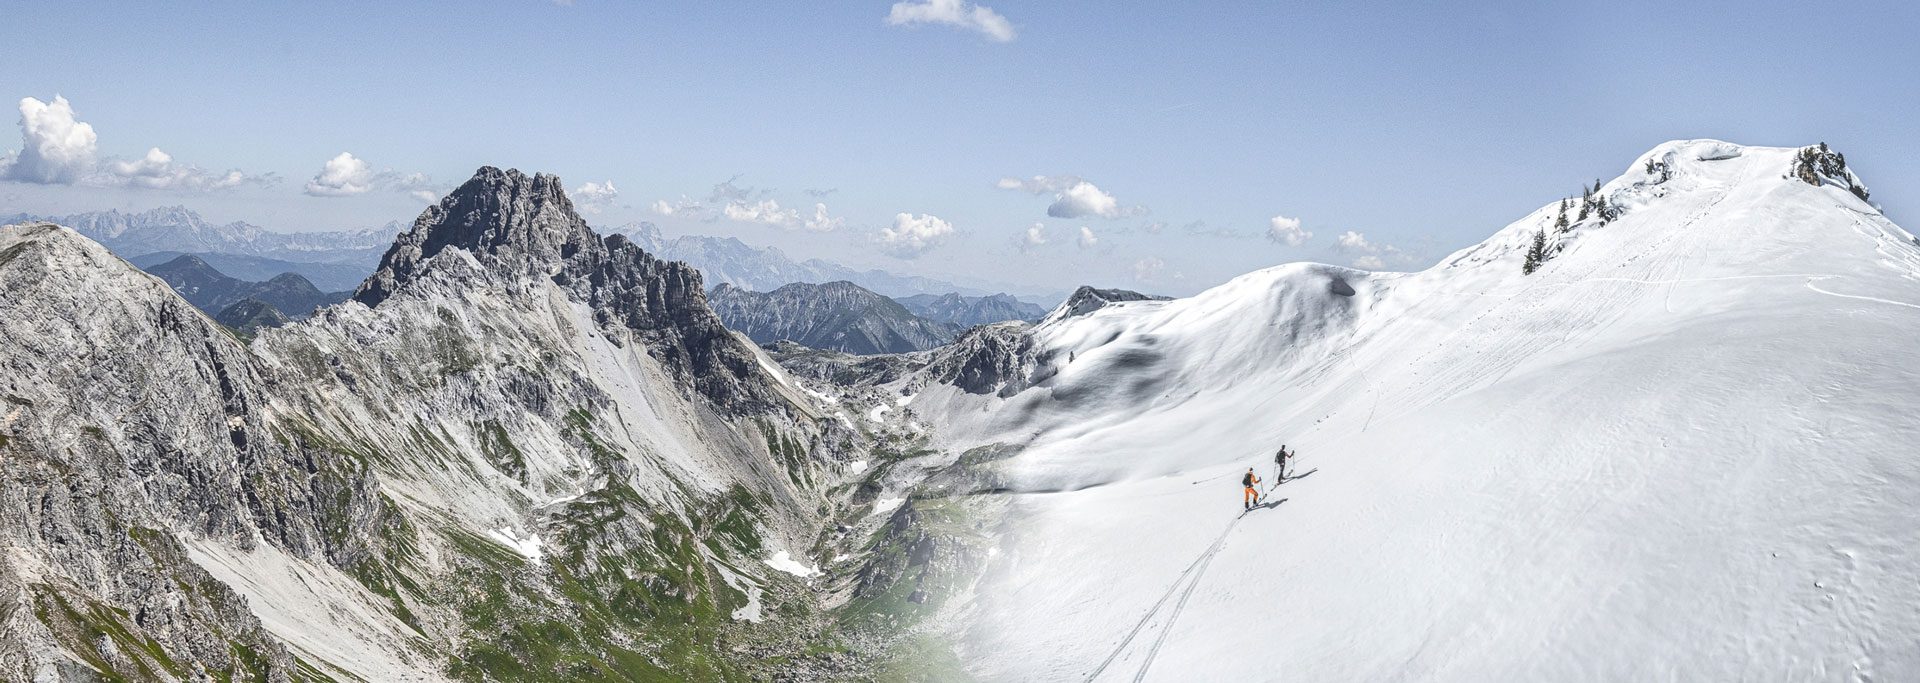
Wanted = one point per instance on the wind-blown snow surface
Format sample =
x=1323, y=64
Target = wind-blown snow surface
x=1684, y=449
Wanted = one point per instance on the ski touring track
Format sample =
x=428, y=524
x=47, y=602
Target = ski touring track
x=1189, y=578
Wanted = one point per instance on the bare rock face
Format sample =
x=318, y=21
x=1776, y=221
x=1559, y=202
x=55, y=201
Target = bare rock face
x=989, y=359
x=125, y=415
x=513, y=425
x=520, y=227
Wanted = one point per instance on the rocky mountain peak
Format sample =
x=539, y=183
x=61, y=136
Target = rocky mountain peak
x=506, y=217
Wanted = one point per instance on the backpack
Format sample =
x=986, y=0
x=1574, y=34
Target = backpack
x=1247, y=479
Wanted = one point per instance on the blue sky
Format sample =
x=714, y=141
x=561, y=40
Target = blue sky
x=1423, y=128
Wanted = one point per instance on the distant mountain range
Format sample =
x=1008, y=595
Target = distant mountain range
x=210, y=290
x=763, y=269
x=330, y=277
x=179, y=229
x=839, y=316
x=968, y=311
x=333, y=260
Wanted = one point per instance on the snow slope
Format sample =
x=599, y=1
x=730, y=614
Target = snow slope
x=1684, y=449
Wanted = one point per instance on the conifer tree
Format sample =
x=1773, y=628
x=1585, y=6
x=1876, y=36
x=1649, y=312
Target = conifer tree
x=1536, y=255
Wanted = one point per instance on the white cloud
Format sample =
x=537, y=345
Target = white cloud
x=913, y=235
x=747, y=205
x=56, y=148
x=59, y=149
x=821, y=222
x=1084, y=199
x=1073, y=197
x=765, y=211
x=1036, y=236
x=427, y=196
x=342, y=176
x=1040, y=184
x=1287, y=231
x=1087, y=239
x=593, y=198
x=1148, y=269
x=1369, y=254
x=346, y=175
x=157, y=171
x=956, y=13
x=685, y=205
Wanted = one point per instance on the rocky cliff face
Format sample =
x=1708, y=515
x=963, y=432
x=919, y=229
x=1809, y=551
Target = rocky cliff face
x=131, y=422
x=520, y=452
x=839, y=316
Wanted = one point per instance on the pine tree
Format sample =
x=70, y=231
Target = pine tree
x=1560, y=224
x=1536, y=255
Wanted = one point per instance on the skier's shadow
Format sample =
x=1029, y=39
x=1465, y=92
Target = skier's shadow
x=1267, y=505
x=1301, y=475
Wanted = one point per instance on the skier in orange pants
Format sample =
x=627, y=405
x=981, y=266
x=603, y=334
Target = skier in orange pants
x=1251, y=481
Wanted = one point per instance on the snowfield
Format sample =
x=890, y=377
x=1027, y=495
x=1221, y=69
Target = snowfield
x=1684, y=449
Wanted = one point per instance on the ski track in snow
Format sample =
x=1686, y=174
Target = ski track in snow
x=1199, y=563
x=1817, y=288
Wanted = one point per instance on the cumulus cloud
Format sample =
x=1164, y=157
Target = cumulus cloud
x=1073, y=196
x=1084, y=199
x=59, y=149
x=1354, y=241
x=821, y=222
x=1287, y=231
x=427, y=196
x=1369, y=254
x=955, y=13
x=1035, y=236
x=342, y=176
x=157, y=171
x=1148, y=269
x=911, y=235
x=685, y=205
x=346, y=175
x=56, y=148
x=731, y=201
x=1088, y=240
x=765, y=211
x=593, y=198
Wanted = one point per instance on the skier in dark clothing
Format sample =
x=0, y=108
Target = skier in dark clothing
x=1280, y=464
